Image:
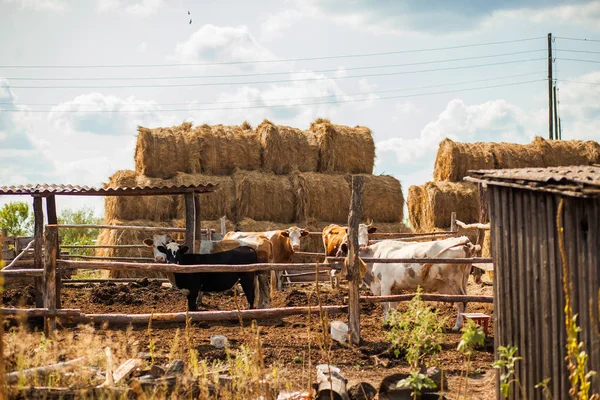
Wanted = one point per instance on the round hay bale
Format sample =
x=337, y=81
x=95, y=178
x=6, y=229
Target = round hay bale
x=592, y=151
x=383, y=200
x=157, y=208
x=264, y=197
x=415, y=204
x=212, y=205
x=225, y=148
x=162, y=152
x=322, y=197
x=454, y=159
x=557, y=153
x=511, y=155
x=251, y=225
x=286, y=149
x=438, y=200
x=344, y=149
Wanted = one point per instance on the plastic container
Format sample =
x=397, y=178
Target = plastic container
x=218, y=341
x=339, y=330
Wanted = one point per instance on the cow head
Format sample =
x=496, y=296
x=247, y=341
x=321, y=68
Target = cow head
x=363, y=239
x=173, y=251
x=155, y=242
x=294, y=234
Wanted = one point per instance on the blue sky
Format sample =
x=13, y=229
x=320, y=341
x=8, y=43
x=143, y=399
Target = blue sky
x=492, y=92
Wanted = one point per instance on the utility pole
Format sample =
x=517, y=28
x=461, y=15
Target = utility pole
x=550, y=116
x=560, y=128
x=556, y=130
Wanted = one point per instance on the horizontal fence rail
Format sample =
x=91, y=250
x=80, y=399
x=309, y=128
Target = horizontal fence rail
x=22, y=272
x=416, y=237
x=85, y=257
x=446, y=298
x=117, y=227
x=104, y=246
x=476, y=260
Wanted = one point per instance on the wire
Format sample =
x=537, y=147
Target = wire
x=273, y=81
x=278, y=60
x=273, y=73
x=574, y=59
x=580, y=82
x=298, y=98
x=578, y=39
x=289, y=105
x=580, y=51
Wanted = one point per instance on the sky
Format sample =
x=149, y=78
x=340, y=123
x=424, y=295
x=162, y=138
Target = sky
x=78, y=77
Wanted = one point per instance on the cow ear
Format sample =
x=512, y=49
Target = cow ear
x=183, y=249
x=162, y=249
x=346, y=230
x=285, y=233
x=372, y=230
x=148, y=242
x=304, y=233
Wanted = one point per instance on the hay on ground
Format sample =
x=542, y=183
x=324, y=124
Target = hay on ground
x=264, y=197
x=157, y=208
x=383, y=200
x=286, y=149
x=225, y=148
x=162, y=152
x=344, y=149
x=212, y=205
x=437, y=200
x=322, y=197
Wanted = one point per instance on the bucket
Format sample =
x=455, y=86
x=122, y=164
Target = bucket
x=339, y=330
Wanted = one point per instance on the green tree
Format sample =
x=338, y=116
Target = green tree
x=16, y=218
x=83, y=236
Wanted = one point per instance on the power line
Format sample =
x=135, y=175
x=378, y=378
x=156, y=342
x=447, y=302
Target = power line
x=580, y=82
x=291, y=105
x=274, y=81
x=300, y=98
x=273, y=73
x=579, y=51
x=277, y=60
x=577, y=39
x=574, y=59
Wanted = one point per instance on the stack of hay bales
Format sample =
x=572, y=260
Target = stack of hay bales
x=271, y=177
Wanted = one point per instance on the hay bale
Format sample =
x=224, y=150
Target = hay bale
x=212, y=205
x=558, y=153
x=454, y=159
x=286, y=149
x=344, y=149
x=383, y=200
x=225, y=148
x=322, y=197
x=592, y=150
x=437, y=200
x=251, y=225
x=264, y=197
x=157, y=208
x=162, y=152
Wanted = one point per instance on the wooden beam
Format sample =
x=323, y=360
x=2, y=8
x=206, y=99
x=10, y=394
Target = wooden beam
x=22, y=272
x=114, y=280
x=38, y=312
x=104, y=246
x=480, y=226
x=158, y=267
x=197, y=224
x=427, y=297
x=118, y=227
x=84, y=257
x=417, y=237
x=38, y=257
x=50, y=278
x=53, y=219
x=235, y=315
x=190, y=220
x=354, y=278
x=13, y=377
x=453, y=226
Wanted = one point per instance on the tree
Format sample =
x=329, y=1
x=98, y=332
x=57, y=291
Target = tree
x=81, y=236
x=16, y=218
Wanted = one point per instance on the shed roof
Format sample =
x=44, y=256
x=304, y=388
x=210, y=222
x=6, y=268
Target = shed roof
x=579, y=181
x=45, y=190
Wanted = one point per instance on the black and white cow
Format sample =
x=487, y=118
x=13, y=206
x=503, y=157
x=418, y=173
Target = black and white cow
x=193, y=283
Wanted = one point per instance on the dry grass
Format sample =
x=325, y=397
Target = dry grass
x=344, y=149
x=264, y=197
x=212, y=205
x=286, y=149
x=322, y=197
x=430, y=206
x=250, y=225
x=383, y=200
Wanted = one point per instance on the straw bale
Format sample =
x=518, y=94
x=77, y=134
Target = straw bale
x=225, y=148
x=486, y=250
x=437, y=200
x=592, y=150
x=162, y=152
x=383, y=200
x=344, y=149
x=322, y=197
x=264, y=196
x=251, y=225
x=212, y=205
x=558, y=153
x=158, y=208
x=454, y=159
x=286, y=149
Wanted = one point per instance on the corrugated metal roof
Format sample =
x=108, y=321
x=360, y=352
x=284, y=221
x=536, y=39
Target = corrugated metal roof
x=76, y=190
x=582, y=181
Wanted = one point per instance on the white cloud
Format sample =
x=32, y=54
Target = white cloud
x=140, y=8
x=40, y=5
x=108, y=5
x=274, y=27
x=142, y=47
x=581, y=15
x=406, y=107
x=213, y=43
x=580, y=107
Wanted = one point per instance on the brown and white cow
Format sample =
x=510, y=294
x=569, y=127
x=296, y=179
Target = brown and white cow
x=262, y=245
x=285, y=243
x=334, y=236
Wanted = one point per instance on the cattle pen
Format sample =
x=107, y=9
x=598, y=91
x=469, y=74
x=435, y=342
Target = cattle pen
x=50, y=265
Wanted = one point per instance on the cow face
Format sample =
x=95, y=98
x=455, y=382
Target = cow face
x=173, y=252
x=363, y=239
x=155, y=242
x=294, y=234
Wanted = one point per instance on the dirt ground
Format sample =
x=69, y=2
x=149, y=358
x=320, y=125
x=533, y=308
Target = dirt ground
x=285, y=340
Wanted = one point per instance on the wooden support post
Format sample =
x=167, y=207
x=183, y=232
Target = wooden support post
x=223, y=226
x=198, y=224
x=190, y=220
x=483, y=219
x=550, y=110
x=453, y=225
x=50, y=277
x=354, y=277
x=38, y=257
x=53, y=219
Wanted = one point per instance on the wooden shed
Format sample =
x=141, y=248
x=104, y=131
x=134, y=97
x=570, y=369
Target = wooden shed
x=544, y=222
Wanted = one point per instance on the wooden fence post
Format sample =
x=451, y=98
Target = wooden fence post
x=190, y=220
x=52, y=219
x=353, y=260
x=38, y=257
x=198, y=224
x=50, y=277
x=223, y=225
x=453, y=225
